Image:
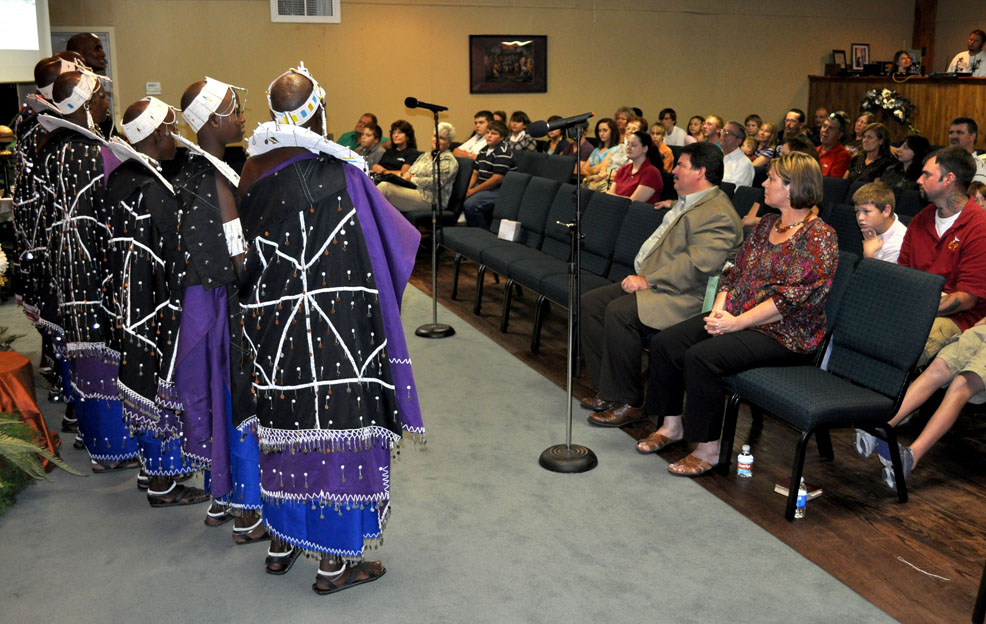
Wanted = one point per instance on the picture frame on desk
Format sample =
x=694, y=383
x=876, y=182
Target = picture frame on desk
x=839, y=58
x=860, y=55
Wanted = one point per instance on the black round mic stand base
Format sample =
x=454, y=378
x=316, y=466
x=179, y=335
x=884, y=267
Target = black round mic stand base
x=570, y=459
x=435, y=330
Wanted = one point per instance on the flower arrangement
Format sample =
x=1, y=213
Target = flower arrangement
x=899, y=107
x=3, y=267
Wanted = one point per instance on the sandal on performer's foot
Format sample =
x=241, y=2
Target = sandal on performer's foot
x=217, y=514
x=350, y=575
x=177, y=495
x=284, y=560
x=242, y=535
x=127, y=464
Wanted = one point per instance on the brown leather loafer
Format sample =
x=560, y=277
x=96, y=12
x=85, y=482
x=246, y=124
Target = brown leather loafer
x=621, y=414
x=595, y=404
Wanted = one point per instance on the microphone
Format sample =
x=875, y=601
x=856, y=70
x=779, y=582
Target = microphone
x=411, y=102
x=541, y=128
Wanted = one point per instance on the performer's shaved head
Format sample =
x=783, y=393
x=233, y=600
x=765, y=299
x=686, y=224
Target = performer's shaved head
x=45, y=71
x=290, y=92
x=134, y=110
x=69, y=55
x=191, y=93
x=64, y=84
x=91, y=49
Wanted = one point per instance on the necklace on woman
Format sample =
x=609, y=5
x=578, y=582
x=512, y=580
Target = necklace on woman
x=780, y=229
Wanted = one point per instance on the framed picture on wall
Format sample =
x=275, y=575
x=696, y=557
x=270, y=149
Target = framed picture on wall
x=508, y=63
x=860, y=55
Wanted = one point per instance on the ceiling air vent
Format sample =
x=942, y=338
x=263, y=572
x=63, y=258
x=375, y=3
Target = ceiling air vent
x=320, y=11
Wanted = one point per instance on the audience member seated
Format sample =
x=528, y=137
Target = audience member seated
x=712, y=129
x=351, y=139
x=832, y=154
x=672, y=269
x=794, y=124
x=500, y=116
x=948, y=238
x=903, y=63
x=903, y=175
x=370, y=147
x=977, y=191
x=403, y=150
x=821, y=114
x=799, y=144
x=519, y=140
x=770, y=311
x=492, y=166
x=962, y=366
x=585, y=149
x=673, y=134
x=749, y=147
x=635, y=123
x=863, y=120
x=606, y=158
x=421, y=175
x=972, y=61
x=477, y=142
x=752, y=125
x=883, y=233
x=621, y=117
x=964, y=132
x=640, y=179
x=766, y=145
x=557, y=142
x=657, y=136
x=695, y=132
x=737, y=167
x=874, y=155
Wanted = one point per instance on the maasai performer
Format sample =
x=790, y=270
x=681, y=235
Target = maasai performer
x=30, y=233
x=77, y=265
x=324, y=275
x=212, y=374
x=144, y=226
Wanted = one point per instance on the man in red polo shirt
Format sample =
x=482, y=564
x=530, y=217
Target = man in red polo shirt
x=948, y=238
x=832, y=154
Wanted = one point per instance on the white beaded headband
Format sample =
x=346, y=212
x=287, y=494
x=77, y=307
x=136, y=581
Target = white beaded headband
x=148, y=121
x=303, y=113
x=81, y=93
x=64, y=66
x=207, y=102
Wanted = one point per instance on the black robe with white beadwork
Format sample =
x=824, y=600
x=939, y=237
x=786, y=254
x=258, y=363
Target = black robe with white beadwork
x=312, y=314
x=142, y=255
x=206, y=262
x=30, y=237
x=77, y=219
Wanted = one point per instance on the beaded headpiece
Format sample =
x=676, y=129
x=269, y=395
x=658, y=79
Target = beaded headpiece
x=148, y=121
x=207, y=102
x=302, y=114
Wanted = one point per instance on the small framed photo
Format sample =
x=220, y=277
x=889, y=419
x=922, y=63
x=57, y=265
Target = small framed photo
x=860, y=55
x=839, y=58
x=508, y=63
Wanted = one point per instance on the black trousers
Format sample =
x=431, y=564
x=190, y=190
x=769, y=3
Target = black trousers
x=612, y=343
x=685, y=359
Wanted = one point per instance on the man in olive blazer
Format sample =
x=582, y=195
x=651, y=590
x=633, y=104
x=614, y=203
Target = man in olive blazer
x=673, y=267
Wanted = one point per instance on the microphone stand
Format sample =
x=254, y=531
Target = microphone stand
x=568, y=457
x=435, y=329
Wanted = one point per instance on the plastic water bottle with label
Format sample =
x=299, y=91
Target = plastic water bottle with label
x=744, y=463
x=800, y=506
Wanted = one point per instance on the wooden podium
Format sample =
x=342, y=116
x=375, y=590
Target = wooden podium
x=937, y=101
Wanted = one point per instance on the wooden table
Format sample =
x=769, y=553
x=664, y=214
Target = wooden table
x=937, y=101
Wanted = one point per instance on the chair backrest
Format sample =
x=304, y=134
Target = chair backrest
x=508, y=199
x=528, y=162
x=676, y=151
x=557, y=167
x=745, y=197
x=533, y=213
x=873, y=343
x=909, y=203
x=639, y=223
x=557, y=241
x=600, y=224
x=833, y=190
x=759, y=175
x=728, y=188
x=842, y=218
x=668, y=192
x=844, y=271
x=460, y=186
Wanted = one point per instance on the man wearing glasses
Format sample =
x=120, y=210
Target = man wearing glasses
x=737, y=166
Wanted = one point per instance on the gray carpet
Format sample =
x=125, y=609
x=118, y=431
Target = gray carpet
x=479, y=532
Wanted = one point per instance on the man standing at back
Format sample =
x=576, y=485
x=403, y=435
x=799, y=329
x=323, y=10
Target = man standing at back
x=673, y=266
x=948, y=238
x=972, y=60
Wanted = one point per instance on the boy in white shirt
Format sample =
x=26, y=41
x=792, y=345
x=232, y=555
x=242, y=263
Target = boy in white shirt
x=883, y=233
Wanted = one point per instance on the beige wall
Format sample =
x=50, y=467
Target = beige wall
x=727, y=57
x=956, y=18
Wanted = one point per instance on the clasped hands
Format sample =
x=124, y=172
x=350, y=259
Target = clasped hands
x=721, y=322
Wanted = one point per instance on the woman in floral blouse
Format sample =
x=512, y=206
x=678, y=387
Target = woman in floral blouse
x=770, y=311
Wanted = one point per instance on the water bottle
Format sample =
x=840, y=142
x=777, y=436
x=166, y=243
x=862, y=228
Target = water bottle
x=744, y=463
x=799, y=509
